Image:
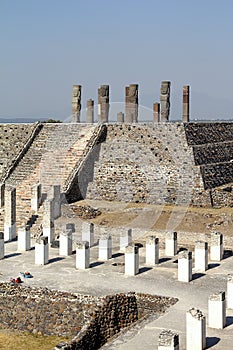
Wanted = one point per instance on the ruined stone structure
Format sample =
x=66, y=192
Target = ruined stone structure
x=76, y=103
x=165, y=101
x=175, y=163
x=131, y=103
x=103, y=103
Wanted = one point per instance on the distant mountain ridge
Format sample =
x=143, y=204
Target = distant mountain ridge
x=21, y=120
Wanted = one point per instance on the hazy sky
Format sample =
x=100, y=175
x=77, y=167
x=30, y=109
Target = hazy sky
x=46, y=46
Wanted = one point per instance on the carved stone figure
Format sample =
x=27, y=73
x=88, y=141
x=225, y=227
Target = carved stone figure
x=76, y=103
x=103, y=103
x=165, y=101
x=131, y=103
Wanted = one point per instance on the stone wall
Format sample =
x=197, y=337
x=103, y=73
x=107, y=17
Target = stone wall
x=201, y=133
x=43, y=310
x=116, y=313
x=147, y=163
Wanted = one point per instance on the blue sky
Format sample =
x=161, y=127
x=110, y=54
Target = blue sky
x=49, y=45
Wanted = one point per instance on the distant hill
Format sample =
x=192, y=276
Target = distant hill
x=20, y=120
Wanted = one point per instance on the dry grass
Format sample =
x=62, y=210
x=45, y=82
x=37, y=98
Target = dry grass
x=11, y=340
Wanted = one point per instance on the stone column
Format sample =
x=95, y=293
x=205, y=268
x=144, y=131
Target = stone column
x=90, y=111
x=120, y=117
x=88, y=233
x=41, y=251
x=230, y=292
x=201, y=256
x=168, y=340
x=2, y=191
x=131, y=103
x=152, y=250
x=165, y=101
x=10, y=214
x=131, y=260
x=125, y=239
x=2, y=249
x=24, y=238
x=217, y=310
x=216, y=246
x=185, y=266
x=76, y=103
x=65, y=242
x=48, y=220
x=103, y=103
x=156, y=112
x=36, y=196
x=82, y=255
x=105, y=247
x=185, y=104
x=171, y=243
x=55, y=195
x=195, y=330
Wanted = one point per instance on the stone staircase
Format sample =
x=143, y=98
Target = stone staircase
x=50, y=160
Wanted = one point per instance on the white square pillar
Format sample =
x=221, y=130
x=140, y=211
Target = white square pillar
x=10, y=214
x=171, y=243
x=48, y=221
x=24, y=238
x=216, y=246
x=195, y=330
x=2, y=249
x=41, y=251
x=168, y=340
x=65, y=242
x=230, y=292
x=88, y=233
x=125, y=239
x=131, y=260
x=201, y=256
x=36, y=197
x=152, y=250
x=185, y=266
x=105, y=247
x=217, y=310
x=82, y=255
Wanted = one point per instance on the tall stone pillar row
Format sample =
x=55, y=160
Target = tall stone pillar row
x=2, y=249
x=195, y=330
x=10, y=214
x=90, y=111
x=168, y=340
x=36, y=197
x=103, y=103
x=76, y=103
x=48, y=220
x=217, y=310
x=131, y=103
x=165, y=101
x=185, y=117
x=230, y=291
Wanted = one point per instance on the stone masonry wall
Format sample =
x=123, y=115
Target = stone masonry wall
x=147, y=163
x=43, y=310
